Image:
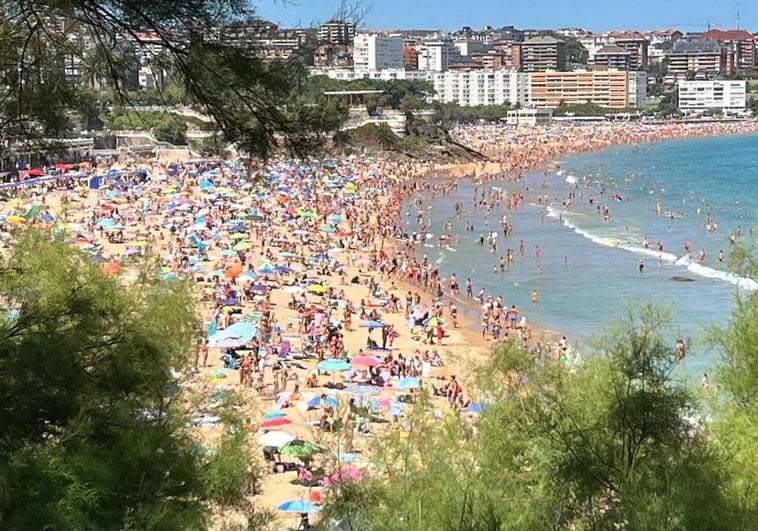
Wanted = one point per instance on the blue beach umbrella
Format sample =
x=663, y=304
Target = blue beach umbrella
x=333, y=364
x=316, y=402
x=408, y=383
x=297, y=506
x=371, y=324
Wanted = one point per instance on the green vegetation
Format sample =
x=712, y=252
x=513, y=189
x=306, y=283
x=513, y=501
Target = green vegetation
x=256, y=103
x=93, y=433
x=575, y=50
x=616, y=442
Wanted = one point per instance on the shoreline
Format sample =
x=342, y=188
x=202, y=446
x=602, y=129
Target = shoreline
x=362, y=244
x=510, y=165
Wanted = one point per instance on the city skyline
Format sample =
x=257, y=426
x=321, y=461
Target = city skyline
x=594, y=15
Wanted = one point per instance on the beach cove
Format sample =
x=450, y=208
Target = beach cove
x=307, y=285
x=658, y=193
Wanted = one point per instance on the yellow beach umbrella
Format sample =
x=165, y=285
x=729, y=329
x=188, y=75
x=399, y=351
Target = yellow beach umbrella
x=14, y=219
x=316, y=288
x=237, y=236
x=242, y=246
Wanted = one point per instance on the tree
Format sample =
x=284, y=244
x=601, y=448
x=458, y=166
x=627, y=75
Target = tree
x=93, y=430
x=735, y=429
x=170, y=129
x=250, y=98
x=614, y=442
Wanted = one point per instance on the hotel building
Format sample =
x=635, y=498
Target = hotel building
x=607, y=88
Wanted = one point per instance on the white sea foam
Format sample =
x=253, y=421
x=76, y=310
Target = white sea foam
x=703, y=270
x=694, y=267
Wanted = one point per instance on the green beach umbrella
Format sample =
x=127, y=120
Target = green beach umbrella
x=299, y=448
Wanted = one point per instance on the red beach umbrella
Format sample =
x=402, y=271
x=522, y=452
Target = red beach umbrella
x=273, y=423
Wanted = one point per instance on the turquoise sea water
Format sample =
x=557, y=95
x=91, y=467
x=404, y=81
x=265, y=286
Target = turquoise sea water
x=589, y=266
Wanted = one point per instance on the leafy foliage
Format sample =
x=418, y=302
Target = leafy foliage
x=93, y=433
x=47, y=49
x=611, y=443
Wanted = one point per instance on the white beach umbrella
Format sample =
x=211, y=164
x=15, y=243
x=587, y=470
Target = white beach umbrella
x=275, y=438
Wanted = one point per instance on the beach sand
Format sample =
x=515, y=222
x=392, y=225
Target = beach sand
x=368, y=227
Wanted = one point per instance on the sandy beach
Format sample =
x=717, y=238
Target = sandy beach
x=314, y=306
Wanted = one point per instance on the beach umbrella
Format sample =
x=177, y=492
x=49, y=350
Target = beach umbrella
x=317, y=289
x=333, y=218
x=293, y=289
x=234, y=271
x=363, y=390
x=349, y=474
x=365, y=361
x=230, y=342
x=297, y=506
x=408, y=383
x=316, y=402
x=242, y=246
x=300, y=232
x=110, y=268
x=333, y=364
x=273, y=423
x=433, y=321
x=299, y=448
x=282, y=269
x=266, y=269
x=328, y=229
x=275, y=438
x=103, y=223
x=242, y=331
x=371, y=324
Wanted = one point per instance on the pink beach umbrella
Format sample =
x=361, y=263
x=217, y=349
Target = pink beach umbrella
x=365, y=361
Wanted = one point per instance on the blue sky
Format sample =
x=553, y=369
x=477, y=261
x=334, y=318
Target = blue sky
x=596, y=15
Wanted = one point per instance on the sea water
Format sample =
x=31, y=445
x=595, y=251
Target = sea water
x=588, y=273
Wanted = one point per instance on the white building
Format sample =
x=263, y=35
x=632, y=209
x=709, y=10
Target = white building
x=388, y=74
x=466, y=46
x=636, y=89
x=377, y=52
x=480, y=87
x=436, y=56
x=699, y=96
x=529, y=117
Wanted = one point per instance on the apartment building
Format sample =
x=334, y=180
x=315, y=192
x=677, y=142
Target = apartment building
x=377, y=52
x=720, y=95
x=612, y=57
x=540, y=54
x=336, y=32
x=740, y=45
x=480, y=87
x=437, y=56
x=608, y=88
x=703, y=58
x=467, y=47
x=633, y=42
x=410, y=57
